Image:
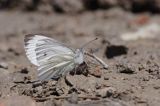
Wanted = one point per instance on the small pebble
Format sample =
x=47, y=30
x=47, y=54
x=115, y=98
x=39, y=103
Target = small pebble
x=73, y=98
x=106, y=78
x=3, y=65
x=156, y=87
x=96, y=72
x=24, y=71
x=105, y=92
x=125, y=68
x=59, y=91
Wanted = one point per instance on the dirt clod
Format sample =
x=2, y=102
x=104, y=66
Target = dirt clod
x=125, y=68
x=4, y=65
x=67, y=6
x=106, y=92
x=115, y=50
x=24, y=70
x=96, y=72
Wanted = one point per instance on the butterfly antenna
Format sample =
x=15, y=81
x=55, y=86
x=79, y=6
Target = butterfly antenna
x=83, y=46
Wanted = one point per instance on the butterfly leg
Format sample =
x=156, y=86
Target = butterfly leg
x=75, y=70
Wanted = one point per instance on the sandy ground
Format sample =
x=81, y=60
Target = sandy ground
x=133, y=76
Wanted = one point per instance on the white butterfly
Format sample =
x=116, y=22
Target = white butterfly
x=52, y=57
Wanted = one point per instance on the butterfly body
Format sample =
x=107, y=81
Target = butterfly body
x=79, y=56
x=52, y=58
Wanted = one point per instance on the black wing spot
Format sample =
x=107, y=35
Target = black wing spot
x=45, y=54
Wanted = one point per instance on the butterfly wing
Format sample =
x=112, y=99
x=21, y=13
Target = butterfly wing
x=52, y=57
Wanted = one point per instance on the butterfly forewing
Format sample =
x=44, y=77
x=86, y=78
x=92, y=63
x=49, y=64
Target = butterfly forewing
x=52, y=57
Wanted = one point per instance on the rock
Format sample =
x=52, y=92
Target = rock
x=125, y=68
x=20, y=4
x=84, y=84
x=24, y=71
x=61, y=87
x=115, y=50
x=19, y=78
x=107, y=3
x=91, y=4
x=36, y=84
x=73, y=80
x=106, y=92
x=96, y=71
x=156, y=87
x=59, y=91
x=4, y=65
x=44, y=6
x=74, y=98
x=106, y=78
x=17, y=101
x=141, y=5
x=67, y=6
x=156, y=6
x=30, y=5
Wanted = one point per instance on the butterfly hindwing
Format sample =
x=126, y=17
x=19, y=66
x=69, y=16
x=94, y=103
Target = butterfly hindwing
x=55, y=71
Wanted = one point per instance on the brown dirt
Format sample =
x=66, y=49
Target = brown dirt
x=133, y=76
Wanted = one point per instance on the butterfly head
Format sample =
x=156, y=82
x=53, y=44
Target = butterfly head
x=79, y=55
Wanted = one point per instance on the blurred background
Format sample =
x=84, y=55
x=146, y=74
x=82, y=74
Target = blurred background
x=128, y=32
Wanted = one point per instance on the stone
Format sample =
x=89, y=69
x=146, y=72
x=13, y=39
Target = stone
x=105, y=92
x=67, y=6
